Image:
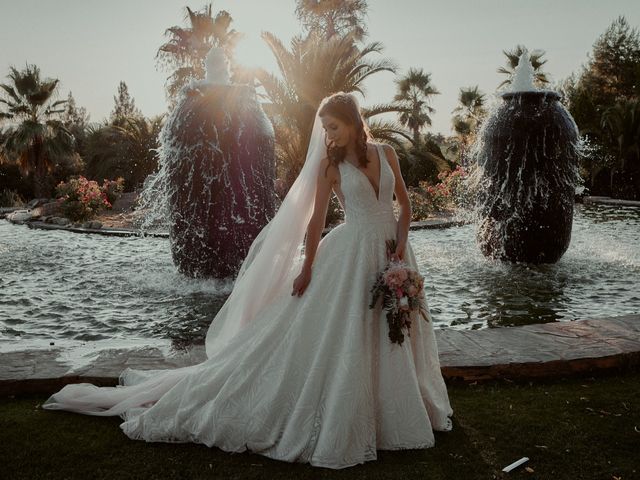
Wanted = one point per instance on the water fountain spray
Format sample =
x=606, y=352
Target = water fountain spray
x=214, y=188
x=525, y=174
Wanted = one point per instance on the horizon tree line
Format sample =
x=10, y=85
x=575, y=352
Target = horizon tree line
x=331, y=53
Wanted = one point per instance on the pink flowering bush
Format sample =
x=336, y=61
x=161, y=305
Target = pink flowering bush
x=80, y=198
x=448, y=194
x=454, y=183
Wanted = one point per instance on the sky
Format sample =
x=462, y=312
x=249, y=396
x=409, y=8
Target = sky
x=91, y=45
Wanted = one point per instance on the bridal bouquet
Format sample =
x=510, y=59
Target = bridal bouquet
x=401, y=289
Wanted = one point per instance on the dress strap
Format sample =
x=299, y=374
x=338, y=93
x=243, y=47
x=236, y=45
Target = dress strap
x=381, y=153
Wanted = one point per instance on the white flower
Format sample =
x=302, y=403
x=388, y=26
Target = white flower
x=404, y=303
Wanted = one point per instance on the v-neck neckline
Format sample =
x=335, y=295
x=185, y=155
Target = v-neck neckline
x=377, y=195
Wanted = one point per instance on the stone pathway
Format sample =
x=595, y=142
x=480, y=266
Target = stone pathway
x=555, y=349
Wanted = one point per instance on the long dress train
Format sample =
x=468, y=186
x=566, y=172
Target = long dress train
x=313, y=378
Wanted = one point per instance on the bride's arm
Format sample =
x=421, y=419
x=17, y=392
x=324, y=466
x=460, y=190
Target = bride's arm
x=324, y=186
x=400, y=189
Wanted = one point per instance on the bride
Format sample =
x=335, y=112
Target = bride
x=299, y=368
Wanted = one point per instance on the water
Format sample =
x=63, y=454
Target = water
x=523, y=75
x=57, y=286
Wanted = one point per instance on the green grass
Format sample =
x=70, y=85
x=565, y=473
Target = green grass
x=580, y=428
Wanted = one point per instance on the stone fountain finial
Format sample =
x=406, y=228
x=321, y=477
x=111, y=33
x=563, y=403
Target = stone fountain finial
x=523, y=75
x=217, y=67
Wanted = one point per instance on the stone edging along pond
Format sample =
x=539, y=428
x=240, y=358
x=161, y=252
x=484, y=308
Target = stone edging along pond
x=60, y=223
x=549, y=350
x=33, y=218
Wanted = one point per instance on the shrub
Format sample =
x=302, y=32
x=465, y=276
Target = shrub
x=113, y=189
x=10, y=198
x=455, y=184
x=80, y=199
x=448, y=194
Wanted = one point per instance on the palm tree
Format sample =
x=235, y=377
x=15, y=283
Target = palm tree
x=312, y=68
x=468, y=116
x=187, y=48
x=36, y=138
x=385, y=130
x=104, y=152
x=141, y=139
x=127, y=149
x=471, y=104
x=414, y=94
x=333, y=17
x=513, y=57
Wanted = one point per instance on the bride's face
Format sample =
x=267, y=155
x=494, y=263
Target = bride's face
x=337, y=131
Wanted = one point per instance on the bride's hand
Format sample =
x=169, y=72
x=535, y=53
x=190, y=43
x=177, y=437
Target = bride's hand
x=398, y=254
x=301, y=282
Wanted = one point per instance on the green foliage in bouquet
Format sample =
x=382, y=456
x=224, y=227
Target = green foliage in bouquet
x=401, y=289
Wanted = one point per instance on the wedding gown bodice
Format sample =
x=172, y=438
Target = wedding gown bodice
x=361, y=204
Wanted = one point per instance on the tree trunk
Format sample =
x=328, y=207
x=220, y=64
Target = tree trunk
x=40, y=172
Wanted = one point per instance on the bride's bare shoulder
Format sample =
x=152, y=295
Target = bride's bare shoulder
x=389, y=151
x=328, y=170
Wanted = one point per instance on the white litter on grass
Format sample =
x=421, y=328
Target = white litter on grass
x=515, y=464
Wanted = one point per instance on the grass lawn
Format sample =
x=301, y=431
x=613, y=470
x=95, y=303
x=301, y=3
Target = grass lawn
x=578, y=428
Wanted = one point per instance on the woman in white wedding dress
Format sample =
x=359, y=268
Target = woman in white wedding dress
x=299, y=368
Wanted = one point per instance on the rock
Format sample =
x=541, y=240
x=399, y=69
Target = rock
x=62, y=221
x=126, y=202
x=36, y=202
x=8, y=210
x=47, y=209
x=20, y=216
x=96, y=225
x=86, y=225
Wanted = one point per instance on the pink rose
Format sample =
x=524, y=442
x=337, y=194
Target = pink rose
x=403, y=274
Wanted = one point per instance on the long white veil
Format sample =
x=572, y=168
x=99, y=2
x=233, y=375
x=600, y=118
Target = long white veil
x=268, y=267
x=267, y=272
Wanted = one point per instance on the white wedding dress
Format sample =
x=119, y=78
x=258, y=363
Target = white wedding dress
x=314, y=378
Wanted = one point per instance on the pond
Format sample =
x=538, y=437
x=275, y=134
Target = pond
x=57, y=285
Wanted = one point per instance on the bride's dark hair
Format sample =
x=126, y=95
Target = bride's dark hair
x=344, y=107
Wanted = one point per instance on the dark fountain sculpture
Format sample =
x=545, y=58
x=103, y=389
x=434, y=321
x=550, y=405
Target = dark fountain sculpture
x=216, y=173
x=525, y=174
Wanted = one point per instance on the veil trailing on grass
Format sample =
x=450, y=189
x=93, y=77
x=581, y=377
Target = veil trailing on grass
x=267, y=272
x=272, y=261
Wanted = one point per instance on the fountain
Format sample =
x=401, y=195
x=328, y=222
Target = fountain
x=525, y=174
x=62, y=287
x=215, y=183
